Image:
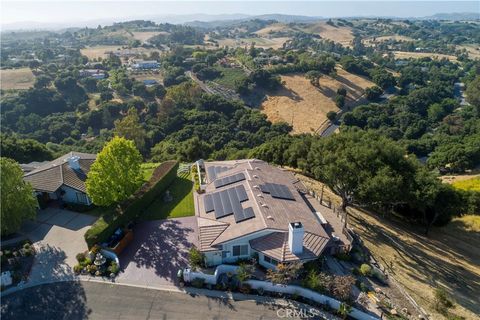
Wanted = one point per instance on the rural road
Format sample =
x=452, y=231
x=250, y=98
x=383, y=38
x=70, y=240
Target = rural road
x=87, y=300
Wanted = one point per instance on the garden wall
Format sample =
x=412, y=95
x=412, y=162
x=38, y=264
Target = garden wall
x=132, y=208
x=189, y=276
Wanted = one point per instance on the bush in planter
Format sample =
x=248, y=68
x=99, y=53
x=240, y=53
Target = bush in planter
x=245, y=271
x=81, y=257
x=195, y=258
x=95, y=249
x=198, y=282
x=245, y=288
x=113, y=268
x=365, y=270
x=92, y=269
x=77, y=268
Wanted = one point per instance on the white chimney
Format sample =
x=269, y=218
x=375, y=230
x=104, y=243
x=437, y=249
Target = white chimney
x=73, y=162
x=295, y=237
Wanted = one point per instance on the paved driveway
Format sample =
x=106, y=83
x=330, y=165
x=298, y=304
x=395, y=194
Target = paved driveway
x=57, y=235
x=159, y=249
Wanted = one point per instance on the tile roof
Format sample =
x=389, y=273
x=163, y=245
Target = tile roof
x=271, y=213
x=52, y=175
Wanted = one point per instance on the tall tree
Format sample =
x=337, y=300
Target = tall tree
x=130, y=128
x=115, y=174
x=18, y=201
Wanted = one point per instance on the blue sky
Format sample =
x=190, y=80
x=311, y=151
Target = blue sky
x=68, y=11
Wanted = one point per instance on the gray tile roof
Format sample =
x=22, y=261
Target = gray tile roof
x=271, y=213
x=52, y=175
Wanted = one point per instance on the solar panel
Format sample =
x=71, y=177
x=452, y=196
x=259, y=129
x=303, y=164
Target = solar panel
x=279, y=191
x=243, y=215
x=228, y=180
x=226, y=202
x=214, y=171
x=208, y=201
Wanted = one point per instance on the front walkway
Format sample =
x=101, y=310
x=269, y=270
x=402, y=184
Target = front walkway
x=57, y=237
x=159, y=250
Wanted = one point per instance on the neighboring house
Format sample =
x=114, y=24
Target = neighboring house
x=92, y=73
x=150, y=82
x=62, y=179
x=145, y=64
x=249, y=206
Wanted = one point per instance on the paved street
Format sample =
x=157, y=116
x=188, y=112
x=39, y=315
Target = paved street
x=158, y=250
x=82, y=300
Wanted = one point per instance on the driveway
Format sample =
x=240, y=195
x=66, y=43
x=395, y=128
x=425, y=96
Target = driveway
x=57, y=235
x=159, y=249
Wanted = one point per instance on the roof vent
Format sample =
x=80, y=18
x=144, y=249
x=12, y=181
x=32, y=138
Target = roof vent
x=256, y=187
x=260, y=195
x=257, y=168
x=255, y=176
x=264, y=205
x=270, y=217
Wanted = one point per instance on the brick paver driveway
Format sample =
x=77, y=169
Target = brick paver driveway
x=57, y=235
x=159, y=249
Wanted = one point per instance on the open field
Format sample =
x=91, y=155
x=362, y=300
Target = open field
x=145, y=35
x=418, y=55
x=455, y=178
x=181, y=204
x=230, y=76
x=22, y=78
x=342, y=35
x=275, y=27
x=472, y=50
x=148, y=75
x=265, y=43
x=371, y=41
x=305, y=107
x=447, y=258
x=98, y=51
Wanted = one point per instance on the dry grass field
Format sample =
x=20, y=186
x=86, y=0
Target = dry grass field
x=18, y=79
x=145, y=35
x=260, y=42
x=148, y=76
x=370, y=41
x=304, y=106
x=98, y=51
x=275, y=27
x=448, y=258
x=472, y=50
x=455, y=178
x=418, y=55
x=342, y=35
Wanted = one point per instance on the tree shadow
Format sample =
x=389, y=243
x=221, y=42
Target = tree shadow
x=50, y=265
x=65, y=300
x=162, y=246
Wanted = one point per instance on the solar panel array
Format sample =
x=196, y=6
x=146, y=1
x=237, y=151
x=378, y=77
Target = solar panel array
x=228, y=180
x=279, y=191
x=214, y=171
x=228, y=202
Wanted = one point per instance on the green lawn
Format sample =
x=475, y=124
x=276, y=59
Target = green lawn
x=230, y=76
x=182, y=204
x=147, y=169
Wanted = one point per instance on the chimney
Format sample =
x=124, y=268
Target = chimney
x=295, y=237
x=73, y=162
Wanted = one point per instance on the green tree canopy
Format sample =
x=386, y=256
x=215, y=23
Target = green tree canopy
x=115, y=174
x=18, y=201
x=130, y=128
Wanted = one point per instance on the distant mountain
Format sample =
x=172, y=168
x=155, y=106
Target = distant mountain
x=287, y=18
x=460, y=16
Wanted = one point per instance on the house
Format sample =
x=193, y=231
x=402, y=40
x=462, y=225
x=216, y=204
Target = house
x=248, y=208
x=150, y=82
x=92, y=73
x=145, y=64
x=62, y=179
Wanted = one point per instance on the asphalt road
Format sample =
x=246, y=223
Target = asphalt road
x=84, y=300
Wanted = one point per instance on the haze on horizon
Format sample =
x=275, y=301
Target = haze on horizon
x=48, y=14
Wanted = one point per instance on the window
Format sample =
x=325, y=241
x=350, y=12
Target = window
x=241, y=250
x=270, y=260
x=81, y=197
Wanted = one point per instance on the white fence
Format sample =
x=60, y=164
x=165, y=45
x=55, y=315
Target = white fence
x=189, y=275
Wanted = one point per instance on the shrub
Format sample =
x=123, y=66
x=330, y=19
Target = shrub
x=95, y=249
x=331, y=115
x=379, y=276
x=363, y=287
x=81, y=257
x=133, y=207
x=442, y=301
x=245, y=288
x=365, y=270
x=27, y=246
x=244, y=272
x=77, y=268
x=113, y=268
x=198, y=282
x=92, y=269
x=195, y=258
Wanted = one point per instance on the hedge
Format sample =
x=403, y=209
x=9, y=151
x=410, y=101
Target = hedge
x=132, y=208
